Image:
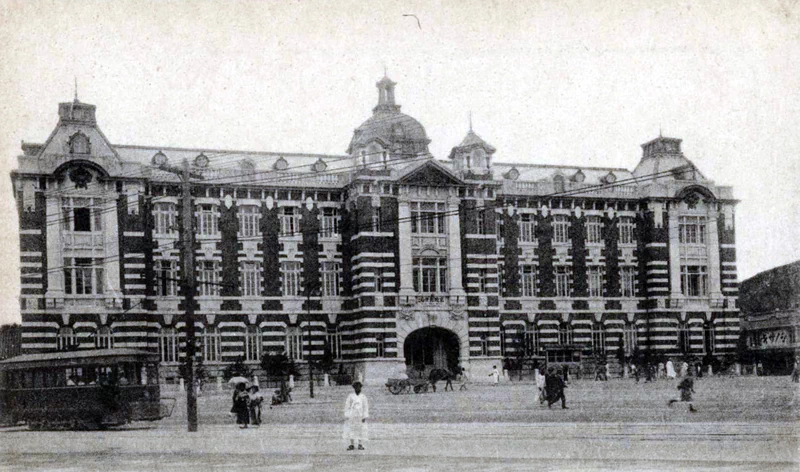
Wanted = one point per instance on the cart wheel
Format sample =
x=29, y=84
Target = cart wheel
x=395, y=389
x=417, y=388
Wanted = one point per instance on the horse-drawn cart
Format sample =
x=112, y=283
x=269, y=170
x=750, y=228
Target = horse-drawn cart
x=398, y=386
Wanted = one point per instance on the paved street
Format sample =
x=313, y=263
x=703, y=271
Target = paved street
x=485, y=428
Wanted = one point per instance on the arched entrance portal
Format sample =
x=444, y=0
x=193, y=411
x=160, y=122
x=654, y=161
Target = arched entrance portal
x=431, y=348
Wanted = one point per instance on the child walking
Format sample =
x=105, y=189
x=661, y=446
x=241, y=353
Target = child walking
x=356, y=412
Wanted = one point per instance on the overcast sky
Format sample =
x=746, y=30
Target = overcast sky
x=555, y=82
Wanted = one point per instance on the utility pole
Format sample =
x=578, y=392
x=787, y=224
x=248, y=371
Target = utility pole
x=188, y=282
x=310, y=347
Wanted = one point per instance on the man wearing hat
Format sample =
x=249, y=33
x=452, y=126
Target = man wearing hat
x=356, y=412
x=554, y=388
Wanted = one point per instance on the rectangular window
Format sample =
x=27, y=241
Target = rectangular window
x=560, y=229
x=294, y=344
x=208, y=220
x=692, y=229
x=164, y=215
x=594, y=230
x=427, y=217
x=565, y=334
x=330, y=223
x=628, y=278
x=595, y=276
x=168, y=345
x=330, y=279
x=562, y=281
x=334, y=341
x=290, y=272
x=249, y=218
x=430, y=275
x=484, y=345
x=380, y=345
x=82, y=214
x=694, y=280
x=290, y=221
x=480, y=221
x=251, y=279
x=166, y=278
x=531, y=340
x=599, y=338
x=527, y=228
x=377, y=220
x=209, y=279
x=528, y=279
x=630, y=338
x=210, y=340
x=625, y=226
x=252, y=343
x=483, y=280
x=83, y=276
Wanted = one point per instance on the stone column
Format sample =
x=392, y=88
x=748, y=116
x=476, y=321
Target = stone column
x=674, y=252
x=55, y=278
x=712, y=246
x=457, y=293
x=404, y=236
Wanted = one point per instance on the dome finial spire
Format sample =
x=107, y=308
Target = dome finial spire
x=76, y=88
x=470, y=120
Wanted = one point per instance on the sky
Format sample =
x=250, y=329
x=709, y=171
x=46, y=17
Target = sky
x=581, y=83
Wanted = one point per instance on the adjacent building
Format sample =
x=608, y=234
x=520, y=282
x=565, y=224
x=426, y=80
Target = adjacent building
x=384, y=256
x=770, y=303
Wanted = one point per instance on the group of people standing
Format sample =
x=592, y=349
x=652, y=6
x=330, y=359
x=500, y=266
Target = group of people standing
x=247, y=405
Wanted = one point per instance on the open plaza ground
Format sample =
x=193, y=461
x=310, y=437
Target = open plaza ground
x=741, y=423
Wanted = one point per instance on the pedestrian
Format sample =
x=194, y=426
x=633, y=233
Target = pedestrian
x=635, y=370
x=356, y=412
x=661, y=372
x=671, y=369
x=540, y=382
x=684, y=369
x=256, y=398
x=240, y=405
x=796, y=372
x=448, y=381
x=687, y=388
x=495, y=375
x=554, y=387
x=464, y=380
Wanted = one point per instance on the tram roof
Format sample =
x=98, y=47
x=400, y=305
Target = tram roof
x=79, y=356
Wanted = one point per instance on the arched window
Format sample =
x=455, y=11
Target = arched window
x=210, y=341
x=629, y=339
x=79, y=144
x=683, y=338
x=66, y=339
x=168, y=345
x=709, y=338
x=105, y=338
x=565, y=334
x=252, y=343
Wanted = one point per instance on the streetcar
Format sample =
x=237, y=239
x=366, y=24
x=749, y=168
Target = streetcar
x=86, y=389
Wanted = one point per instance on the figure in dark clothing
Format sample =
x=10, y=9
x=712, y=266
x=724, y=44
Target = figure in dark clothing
x=687, y=388
x=554, y=388
x=241, y=408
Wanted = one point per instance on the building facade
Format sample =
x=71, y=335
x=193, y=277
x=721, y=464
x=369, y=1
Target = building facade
x=384, y=256
x=770, y=303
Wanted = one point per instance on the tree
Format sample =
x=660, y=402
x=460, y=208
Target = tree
x=200, y=372
x=237, y=369
x=278, y=366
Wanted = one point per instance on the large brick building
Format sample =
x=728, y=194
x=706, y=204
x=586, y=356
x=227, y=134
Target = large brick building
x=385, y=255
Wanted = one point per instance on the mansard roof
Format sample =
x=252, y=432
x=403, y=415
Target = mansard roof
x=544, y=172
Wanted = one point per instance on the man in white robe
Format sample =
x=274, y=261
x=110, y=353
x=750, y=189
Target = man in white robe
x=671, y=370
x=356, y=412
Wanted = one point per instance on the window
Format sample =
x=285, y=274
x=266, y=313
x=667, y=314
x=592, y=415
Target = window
x=565, y=334
x=694, y=280
x=484, y=345
x=164, y=215
x=377, y=220
x=330, y=279
x=210, y=342
x=480, y=221
x=208, y=219
x=294, y=344
x=558, y=183
x=66, y=339
x=333, y=340
x=625, y=226
x=83, y=214
x=528, y=279
x=599, y=338
x=684, y=343
x=252, y=344
x=380, y=282
x=430, y=274
x=249, y=218
x=168, y=345
x=330, y=223
x=562, y=281
x=527, y=228
x=483, y=280
x=427, y=217
x=692, y=229
x=166, y=278
x=628, y=279
x=560, y=229
x=104, y=338
x=251, y=279
x=291, y=278
x=595, y=276
x=79, y=144
x=83, y=276
x=290, y=221
x=594, y=229
x=531, y=340
x=209, y=279
x=629, y=338
x=709, y=338
x=380, y=345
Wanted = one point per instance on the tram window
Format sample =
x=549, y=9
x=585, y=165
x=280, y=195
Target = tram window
x=38, y=379
x=28, y=380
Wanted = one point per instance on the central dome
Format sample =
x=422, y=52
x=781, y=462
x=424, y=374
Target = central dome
x=388, y=129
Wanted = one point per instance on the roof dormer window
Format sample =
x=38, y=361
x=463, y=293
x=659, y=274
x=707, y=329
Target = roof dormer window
x=79, y=144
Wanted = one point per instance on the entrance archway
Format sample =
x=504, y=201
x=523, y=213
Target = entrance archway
x=432, y=348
